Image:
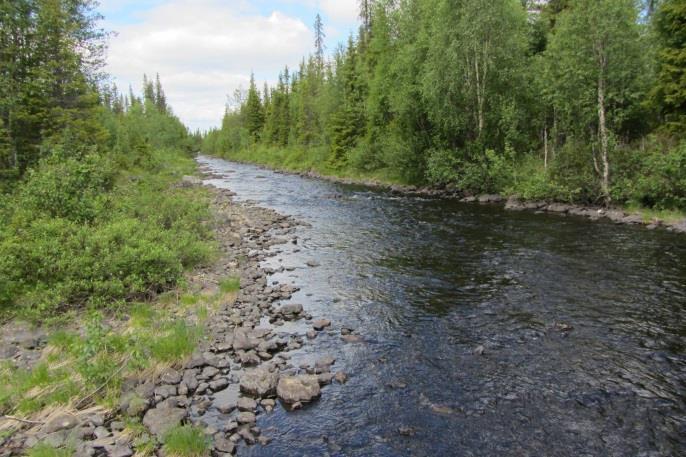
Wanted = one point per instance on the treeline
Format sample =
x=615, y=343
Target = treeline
x=89, y=212
x=571, y=100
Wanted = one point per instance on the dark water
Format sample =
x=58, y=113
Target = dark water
x=427, y=281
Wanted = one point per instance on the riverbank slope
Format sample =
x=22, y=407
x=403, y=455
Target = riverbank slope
x=304, y=163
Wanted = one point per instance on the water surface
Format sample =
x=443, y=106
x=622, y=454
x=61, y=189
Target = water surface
x=427, y=281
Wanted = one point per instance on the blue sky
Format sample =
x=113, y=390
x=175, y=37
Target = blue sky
x=205, y=49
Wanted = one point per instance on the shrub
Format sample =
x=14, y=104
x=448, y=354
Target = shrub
x=186, y=441
x=662, y=182
x=74, y=238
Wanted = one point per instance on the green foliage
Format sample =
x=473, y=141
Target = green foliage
x=67, y=187
x=670, y=90
x=186, y=441
x=231, y=284
x=176, y=341
x=655, y=179
x=474, y=94
x=45, y=450
x=92, y=228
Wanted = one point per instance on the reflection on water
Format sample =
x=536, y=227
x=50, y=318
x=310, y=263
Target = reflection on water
x=426, y=282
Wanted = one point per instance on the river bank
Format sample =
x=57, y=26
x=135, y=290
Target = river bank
x=671, y=221
x=237, y=371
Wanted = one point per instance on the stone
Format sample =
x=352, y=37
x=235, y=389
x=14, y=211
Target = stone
x=247, y=404
x=120, y=450
x=311, y=334
x=248, y=437
x=190, y=181
x=145, y=390
x=479, y=350
x=101, y=432
x=325, y=362
x=312, y=263
x=218, y=384
x=263, y=440
x=221, y=444
x=243, y=341
x=246, y=417
x=352, y=338
x=208, y=372
x=165, y=391
x=227, y=400
x=170, y=376
x=325, y=378
x=406, y=431
x=490, y=198
x=160, y=420
x=60, y=422
x=321, y=324
x=300, y=388
x=291, y=308
x=558, y=208
x=259, y=382
x=196, y=362
x=341, y=377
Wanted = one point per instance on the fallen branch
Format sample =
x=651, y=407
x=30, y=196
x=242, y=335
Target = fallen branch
x=18, y=419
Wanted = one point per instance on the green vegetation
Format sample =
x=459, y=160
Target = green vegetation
x=567, y=100
x=186, y=441
x=45, y=450
x=230, y=284
x=75, y=365
x=91, y=212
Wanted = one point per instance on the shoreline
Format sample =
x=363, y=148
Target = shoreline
x=617, y=215
x=239, y=371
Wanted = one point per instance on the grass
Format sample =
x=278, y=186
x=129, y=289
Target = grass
x=177, y=341
x=230, y=284
x=186, y=441
x=98, y=358
x=649, y=214
x=45, y=450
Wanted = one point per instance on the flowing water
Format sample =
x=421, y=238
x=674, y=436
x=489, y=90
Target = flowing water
x=428, y=281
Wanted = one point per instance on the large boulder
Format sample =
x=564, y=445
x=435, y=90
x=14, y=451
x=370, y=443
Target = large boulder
x=301, y=388
x=161, y=419
x=259, y=382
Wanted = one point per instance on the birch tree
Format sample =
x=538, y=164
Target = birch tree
x=595, y=64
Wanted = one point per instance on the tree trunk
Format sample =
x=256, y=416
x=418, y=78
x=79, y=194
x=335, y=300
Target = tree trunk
x=479, y=96
x=604, y=142
x=545, y=146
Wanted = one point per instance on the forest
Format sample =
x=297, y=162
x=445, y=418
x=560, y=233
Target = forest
x=565, y=100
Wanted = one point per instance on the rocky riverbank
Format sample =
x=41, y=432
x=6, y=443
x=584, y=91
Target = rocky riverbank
x=614, y=214
x=240, y=371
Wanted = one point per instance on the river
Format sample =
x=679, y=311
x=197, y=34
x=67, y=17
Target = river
x=582, y=326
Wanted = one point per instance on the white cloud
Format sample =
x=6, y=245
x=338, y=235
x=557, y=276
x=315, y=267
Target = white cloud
x=205, y=49
x=340, y=10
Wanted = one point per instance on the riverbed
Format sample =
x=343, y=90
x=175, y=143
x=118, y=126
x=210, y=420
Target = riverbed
x=485, y=332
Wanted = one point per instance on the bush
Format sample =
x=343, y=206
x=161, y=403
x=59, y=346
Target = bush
x=67, y=187
x=662, y=182
x=74, y=238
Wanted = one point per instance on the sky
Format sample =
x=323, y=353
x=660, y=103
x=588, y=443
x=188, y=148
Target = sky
x=205, y=49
